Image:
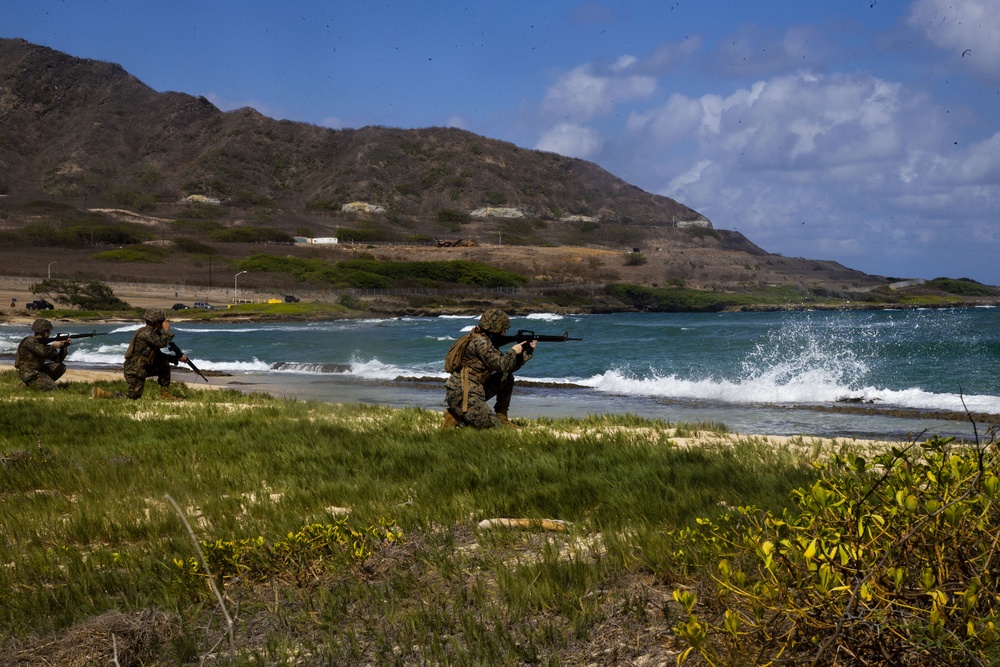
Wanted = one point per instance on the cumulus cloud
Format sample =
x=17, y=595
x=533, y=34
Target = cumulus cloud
x=968, y=29
x=570, y=140
x=870, y=170
x=817, y=164
x=588, y=91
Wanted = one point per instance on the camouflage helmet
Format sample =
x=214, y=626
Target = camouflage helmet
x=154, y=315
x=494, y=321
x=41, y=326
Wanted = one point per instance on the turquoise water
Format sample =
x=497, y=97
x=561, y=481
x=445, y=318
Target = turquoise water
x=756, y=372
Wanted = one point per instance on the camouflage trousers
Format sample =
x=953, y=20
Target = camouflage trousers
x=43, y=379
x=136, y=377
x=479, y=414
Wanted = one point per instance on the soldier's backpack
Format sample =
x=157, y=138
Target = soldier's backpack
x=453, y=360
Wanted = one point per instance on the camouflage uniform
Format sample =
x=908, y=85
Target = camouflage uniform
x=143, y=358
x=490, y=373
x=39, y=365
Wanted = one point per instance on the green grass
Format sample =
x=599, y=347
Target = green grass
x=85, y=527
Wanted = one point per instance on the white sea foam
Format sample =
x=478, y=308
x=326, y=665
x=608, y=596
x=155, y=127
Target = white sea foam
x=547, y=317
x=815, y=387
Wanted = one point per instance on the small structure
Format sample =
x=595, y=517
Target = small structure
x=494, y=212
x=700, y=221
x=201, y=199
x=362, y=207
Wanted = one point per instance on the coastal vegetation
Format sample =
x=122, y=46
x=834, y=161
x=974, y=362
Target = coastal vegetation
x=367, y=273
x=242, y=529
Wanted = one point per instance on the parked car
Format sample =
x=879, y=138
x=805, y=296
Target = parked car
x=179, y=306
x=291, y=298
x=203, y=304
x=39, y=304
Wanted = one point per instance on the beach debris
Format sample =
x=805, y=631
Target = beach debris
x=552, y=525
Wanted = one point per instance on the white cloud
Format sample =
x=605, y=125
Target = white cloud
x=822, y=166
x=585, y=92
x=570, y=140
x=869, y=170
x=967, y=29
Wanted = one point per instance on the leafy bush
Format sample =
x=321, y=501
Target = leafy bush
x=185, y=244
x=77, y=235
x=451, y=215
x=672, y=299
x=374, y=274
x=133, y=253
x=352, y=235
x=251, y=235
x=962, y=287
x=635, y=259
x=888, y=562
x=84, y=294
x=433, y=273
x=302, y=553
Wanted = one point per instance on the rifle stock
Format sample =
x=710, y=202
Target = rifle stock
x=524, y=336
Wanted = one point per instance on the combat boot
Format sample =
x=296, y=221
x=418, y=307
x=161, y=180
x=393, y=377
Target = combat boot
x=165, y=395
x=101, y=393
x=449, y=420
x=505, y=422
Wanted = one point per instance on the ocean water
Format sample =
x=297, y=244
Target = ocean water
x=768, y=373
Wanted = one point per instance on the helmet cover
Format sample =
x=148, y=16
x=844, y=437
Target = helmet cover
x=494, y=321
x=154, y=315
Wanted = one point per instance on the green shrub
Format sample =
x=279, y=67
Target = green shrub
x=887, y=562
x=374, y=274
x=671, y=300
x=251, y=234
x=962, y=287
x=133, y=253
x=188, y=245
x=83, y=294
x=352, y=235
x=446, y=215
x=635, y=259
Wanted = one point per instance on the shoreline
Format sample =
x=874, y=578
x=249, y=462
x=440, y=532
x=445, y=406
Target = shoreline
x=700, y=438
x=535, y=401
x=163, y=296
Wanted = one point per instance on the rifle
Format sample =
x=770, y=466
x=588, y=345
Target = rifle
x=178, y=354
x=524, y=336
x=69, y=336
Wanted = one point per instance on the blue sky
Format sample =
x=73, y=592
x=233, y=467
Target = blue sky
x=866, y=132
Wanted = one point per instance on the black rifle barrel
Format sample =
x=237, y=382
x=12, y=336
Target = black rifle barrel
x=524, y=336
x=68, y=336
x=177, y=351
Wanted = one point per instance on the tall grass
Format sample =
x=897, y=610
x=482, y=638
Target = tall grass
x=85, y=527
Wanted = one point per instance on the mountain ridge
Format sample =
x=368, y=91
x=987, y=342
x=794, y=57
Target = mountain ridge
x=90, y=136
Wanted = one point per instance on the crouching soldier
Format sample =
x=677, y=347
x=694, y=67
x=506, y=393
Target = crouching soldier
x=480, y=371
x=143, y=359
x=40, y=363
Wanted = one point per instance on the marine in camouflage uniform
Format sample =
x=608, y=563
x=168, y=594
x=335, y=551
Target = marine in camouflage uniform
x=40, y=364
x=143, y=359
x=485, y=372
